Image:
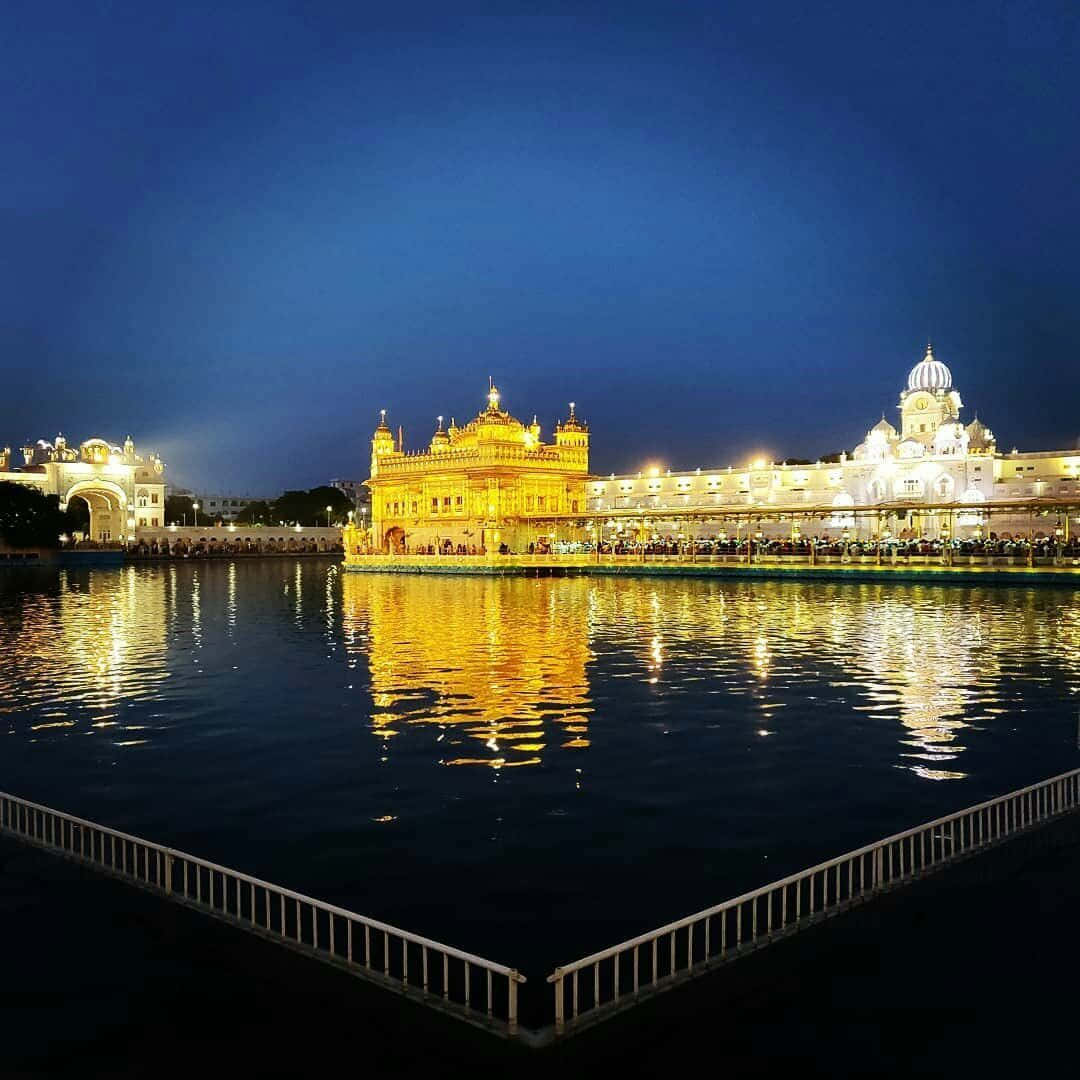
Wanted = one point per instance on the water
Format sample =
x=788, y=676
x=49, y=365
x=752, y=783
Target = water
x=532, y=769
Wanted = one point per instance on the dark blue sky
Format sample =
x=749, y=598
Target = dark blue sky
x=237, y=231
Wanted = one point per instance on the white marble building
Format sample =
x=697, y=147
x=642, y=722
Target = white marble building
x=933, y=458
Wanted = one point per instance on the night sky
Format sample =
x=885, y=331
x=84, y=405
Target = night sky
x=237, y=231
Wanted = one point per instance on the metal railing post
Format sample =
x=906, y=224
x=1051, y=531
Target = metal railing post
x=512, y=1002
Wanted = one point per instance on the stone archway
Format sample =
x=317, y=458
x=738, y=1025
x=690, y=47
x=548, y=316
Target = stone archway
x=394, y=540
x=108, y=509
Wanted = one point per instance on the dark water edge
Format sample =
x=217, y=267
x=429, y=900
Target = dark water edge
x=528, y=769
x=965, y=973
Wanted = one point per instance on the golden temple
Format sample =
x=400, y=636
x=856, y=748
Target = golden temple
x=492, y=485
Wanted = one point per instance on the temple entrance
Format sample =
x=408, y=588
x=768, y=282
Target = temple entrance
x=394, y=541
x=107, y=504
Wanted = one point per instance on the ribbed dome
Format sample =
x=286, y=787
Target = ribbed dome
x=929, y=374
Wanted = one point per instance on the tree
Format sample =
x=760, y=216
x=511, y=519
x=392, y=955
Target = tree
x=257, y=512
x=29, y=518
x=179, y=510
x=323, y=496
x=309, y=507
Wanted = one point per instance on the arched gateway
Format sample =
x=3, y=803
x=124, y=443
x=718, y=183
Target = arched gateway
x=125, y=492
x=109, y=521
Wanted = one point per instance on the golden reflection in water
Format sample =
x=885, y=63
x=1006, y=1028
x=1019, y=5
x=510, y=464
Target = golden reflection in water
x=937, y=661
x=230, y=601
x=497, y=667
x=77, y=653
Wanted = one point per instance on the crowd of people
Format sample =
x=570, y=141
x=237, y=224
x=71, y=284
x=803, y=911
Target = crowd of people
x=992, y=545
x=212, y=546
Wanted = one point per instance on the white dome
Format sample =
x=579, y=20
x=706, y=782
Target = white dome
x=929, y=374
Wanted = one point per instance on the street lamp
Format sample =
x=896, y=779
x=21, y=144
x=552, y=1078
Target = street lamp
x=195, y=509
x=328, y=509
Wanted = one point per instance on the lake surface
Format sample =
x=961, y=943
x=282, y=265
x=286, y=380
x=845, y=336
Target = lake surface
x=532, y=769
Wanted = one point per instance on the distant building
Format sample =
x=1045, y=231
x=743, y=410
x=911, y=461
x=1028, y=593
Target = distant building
x=933, y=460
x=224, y=507
x=124, y=491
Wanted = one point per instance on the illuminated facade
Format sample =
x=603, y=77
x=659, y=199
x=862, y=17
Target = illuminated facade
x=933, y=458
x=124, y=491
x=490, y=483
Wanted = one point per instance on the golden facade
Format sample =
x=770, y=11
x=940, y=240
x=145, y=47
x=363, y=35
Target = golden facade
x=489, y=485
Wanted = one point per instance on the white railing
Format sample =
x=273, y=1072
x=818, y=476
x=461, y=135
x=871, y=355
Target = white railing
x=598, y=985
x=587, y=990
x=465, y=985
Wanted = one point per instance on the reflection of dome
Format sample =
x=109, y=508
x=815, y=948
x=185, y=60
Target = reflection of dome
x=929, y=374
